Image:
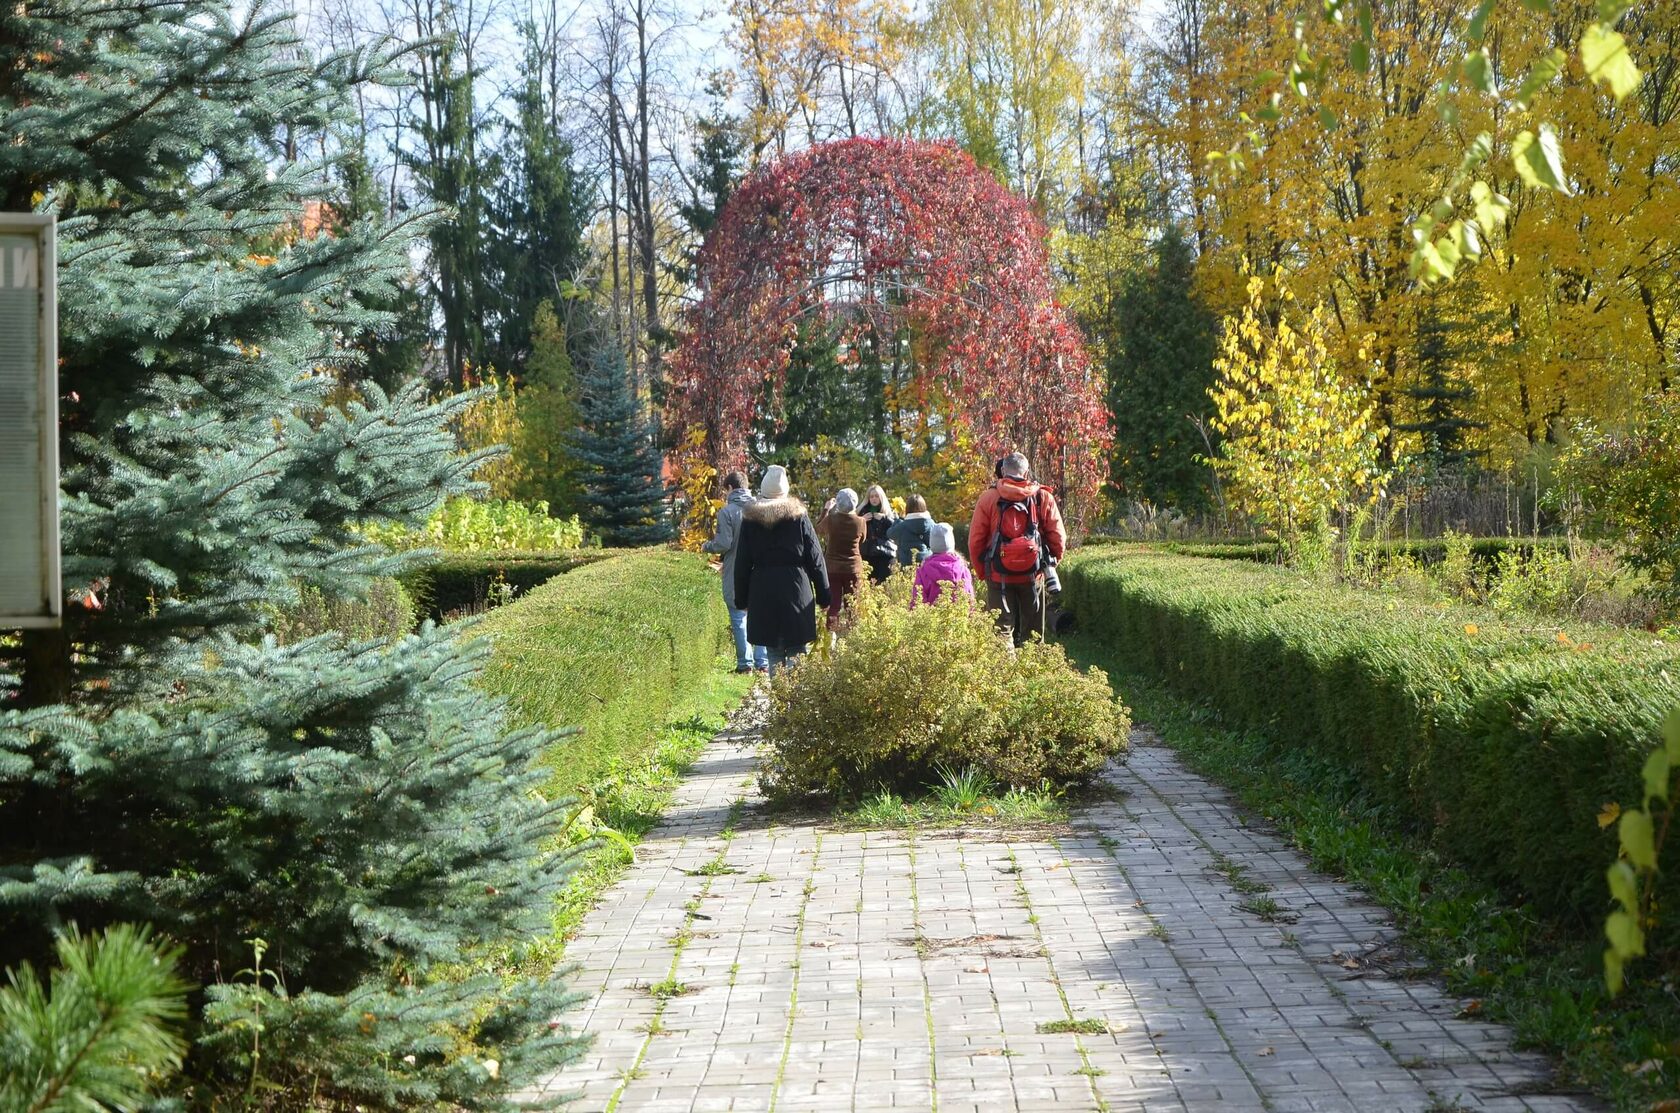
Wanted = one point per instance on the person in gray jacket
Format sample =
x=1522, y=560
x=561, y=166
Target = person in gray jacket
x=737, y=498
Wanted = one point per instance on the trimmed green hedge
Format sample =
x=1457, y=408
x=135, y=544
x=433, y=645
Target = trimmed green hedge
x=1426, y=550
x=460, y=582
x=610, y=648
x=1501, y=741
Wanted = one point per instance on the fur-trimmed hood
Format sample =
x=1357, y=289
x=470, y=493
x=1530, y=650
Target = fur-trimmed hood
x=770, y=512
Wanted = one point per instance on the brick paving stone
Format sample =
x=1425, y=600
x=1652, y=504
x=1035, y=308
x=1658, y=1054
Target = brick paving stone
x=880, y=970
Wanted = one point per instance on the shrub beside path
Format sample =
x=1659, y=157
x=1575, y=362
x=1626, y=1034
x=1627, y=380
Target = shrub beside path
x=1156, y=954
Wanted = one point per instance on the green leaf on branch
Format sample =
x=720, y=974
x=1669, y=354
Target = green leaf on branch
x=1624, y=885
x=1359, y=56
x=1540, y=74
x=1656, y=775
x=1537, y=5
x=1539, y=160
x=1478, y=71
x=1626, y=937
x=1491, y=208
x=1479, y=20
x=1638, y=839
x=1327, y=119
x=1611, y=10
x=1604, y=53
x=1612, y=971
x=1671, y=736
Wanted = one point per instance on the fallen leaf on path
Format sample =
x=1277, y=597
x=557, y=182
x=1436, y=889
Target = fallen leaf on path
x=1267, y=1051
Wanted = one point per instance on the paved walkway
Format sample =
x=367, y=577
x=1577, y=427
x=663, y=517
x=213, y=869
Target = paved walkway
x=1157, y=955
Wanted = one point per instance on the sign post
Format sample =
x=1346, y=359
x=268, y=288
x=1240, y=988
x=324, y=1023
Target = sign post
x=30, y=592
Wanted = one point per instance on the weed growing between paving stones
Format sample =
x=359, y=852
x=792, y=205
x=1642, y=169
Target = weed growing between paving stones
x=1029, y=807
x=1089, y=1026
x=1268, y=910
x=1546, y=986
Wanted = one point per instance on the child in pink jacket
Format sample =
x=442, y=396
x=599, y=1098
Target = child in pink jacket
x=945, y=567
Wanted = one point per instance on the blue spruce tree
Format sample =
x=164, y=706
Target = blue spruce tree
x=618, y=464
x=328, y=829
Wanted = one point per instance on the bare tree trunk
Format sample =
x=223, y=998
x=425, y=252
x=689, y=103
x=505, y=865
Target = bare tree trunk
x=644, y=207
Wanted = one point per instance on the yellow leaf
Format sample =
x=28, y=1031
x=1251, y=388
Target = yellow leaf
x=1609, y=814
x=1472, y=629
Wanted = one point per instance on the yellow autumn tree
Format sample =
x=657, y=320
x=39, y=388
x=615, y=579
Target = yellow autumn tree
x=1009, y=78
x=813, y=70
x=492, y=421
x=1571, y=312
x=1299, y=440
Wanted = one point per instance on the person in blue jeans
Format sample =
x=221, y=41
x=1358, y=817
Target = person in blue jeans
x=737, y=499
x=780, y=573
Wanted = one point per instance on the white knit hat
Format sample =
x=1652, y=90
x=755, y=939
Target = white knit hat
x=845, y=500
x=774, y=485
x=944, y=538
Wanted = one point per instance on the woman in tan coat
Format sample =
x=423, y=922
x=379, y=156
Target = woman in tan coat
x=842, y=532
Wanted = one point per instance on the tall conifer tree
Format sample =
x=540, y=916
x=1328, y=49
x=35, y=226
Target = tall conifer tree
x=1442, y=396
x=623, y=491
x=1160, y=366
x=538, y=216
x=453, y=169
x=357, y=807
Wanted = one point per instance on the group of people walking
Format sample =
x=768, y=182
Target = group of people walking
x=779, y=565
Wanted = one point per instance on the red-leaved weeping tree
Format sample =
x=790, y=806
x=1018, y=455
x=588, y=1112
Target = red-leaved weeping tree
x=893, y=236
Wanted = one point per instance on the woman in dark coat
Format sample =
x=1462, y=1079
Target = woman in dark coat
x=779, y=572
x=877, y=513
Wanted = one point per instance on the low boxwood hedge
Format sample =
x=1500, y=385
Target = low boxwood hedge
x=610, y=648
x=467, y=582
x=1501, y=739
x=1427, y=551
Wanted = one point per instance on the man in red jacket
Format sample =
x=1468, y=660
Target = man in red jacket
x=1015, y=535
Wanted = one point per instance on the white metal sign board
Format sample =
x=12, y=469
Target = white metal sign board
x=30, y=594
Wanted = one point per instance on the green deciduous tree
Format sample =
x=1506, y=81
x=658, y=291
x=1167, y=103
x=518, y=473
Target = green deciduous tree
x=1160, y=366
x=548, y=413
x=358, y=805
x=1628, y=482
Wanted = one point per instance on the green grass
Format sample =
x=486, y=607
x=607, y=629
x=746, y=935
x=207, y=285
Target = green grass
x=1527, y=972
